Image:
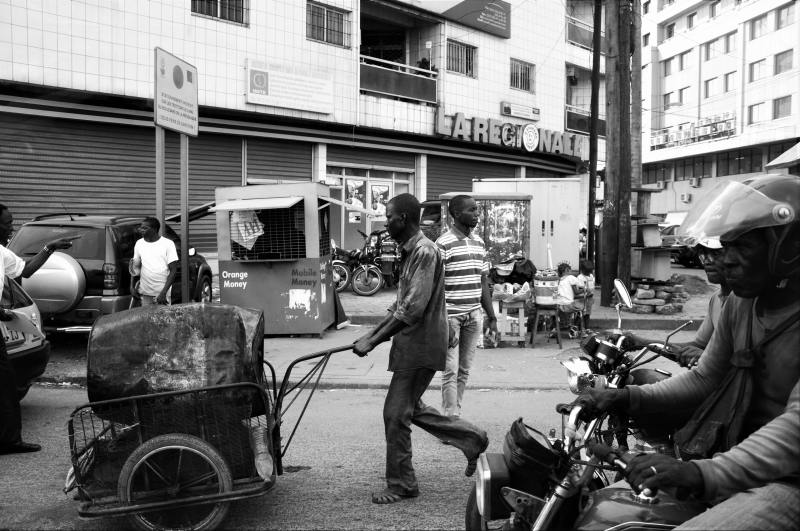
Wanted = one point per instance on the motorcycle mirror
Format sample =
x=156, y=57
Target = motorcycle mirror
x=622, y=293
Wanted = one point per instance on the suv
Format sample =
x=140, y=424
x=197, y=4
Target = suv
x=91, y=278
x=28, y=350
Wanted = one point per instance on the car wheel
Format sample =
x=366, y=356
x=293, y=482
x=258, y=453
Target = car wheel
x=205, y=292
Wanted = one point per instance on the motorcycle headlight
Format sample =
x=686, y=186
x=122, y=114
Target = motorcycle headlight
x=483, y=478
x=579, y=374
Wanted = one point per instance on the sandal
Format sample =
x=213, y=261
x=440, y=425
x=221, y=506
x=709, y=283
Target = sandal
x=387, y=496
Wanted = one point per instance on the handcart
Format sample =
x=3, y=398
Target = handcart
x=175, y=460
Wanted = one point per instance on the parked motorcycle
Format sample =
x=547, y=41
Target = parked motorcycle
x=379, y=263
x=342, y=262
x=544, y=482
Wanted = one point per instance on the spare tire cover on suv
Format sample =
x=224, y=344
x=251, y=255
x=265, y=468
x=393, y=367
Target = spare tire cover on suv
x=58, y=286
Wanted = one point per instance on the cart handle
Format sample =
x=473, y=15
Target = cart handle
x=285, y=383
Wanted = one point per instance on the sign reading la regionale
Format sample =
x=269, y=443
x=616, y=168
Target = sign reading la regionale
x=526, y=137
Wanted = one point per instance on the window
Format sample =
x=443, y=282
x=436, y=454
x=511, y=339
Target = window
x=739, y=161
x=683, y=60
x=645, y=7
x=666, y=67
x=730, y=42
x=781, y=107
x=758, y=26
x=783, y=62
x=684, y=169
x=461, y=58
x=667, y=100
x=755, y=113
x=713, y=9
x=784, y=16
x=669, y=31
x=523, y=75
x=690, y=20
x=709, y=87
x=325, y=24
x=231, y=10
x=645, y=39
x=682, y=95
x=730, y=81
x=702, y=166
x=649, y=174
x=758, y=69
x=711, y=49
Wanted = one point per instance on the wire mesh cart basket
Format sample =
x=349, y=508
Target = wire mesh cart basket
x=176, y=459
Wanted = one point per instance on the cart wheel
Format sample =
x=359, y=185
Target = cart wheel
x=168, y=468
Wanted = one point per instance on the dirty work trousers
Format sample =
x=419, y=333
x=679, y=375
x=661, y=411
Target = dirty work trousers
x=10, y=417
x=404, y=406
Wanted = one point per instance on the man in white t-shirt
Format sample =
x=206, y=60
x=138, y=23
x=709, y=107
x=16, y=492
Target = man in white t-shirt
x=155, y=264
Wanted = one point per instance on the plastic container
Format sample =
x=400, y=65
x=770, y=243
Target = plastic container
x=545, y=289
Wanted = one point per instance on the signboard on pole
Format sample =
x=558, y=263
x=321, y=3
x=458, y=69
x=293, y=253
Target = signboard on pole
x=175, y=95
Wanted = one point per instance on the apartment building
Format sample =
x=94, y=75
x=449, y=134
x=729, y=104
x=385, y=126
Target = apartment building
x=721, y=94
x=373, y=97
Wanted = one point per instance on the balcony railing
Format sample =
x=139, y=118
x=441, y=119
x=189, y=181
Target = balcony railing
x=579, y=120
x=580, y=34
x=397, y=80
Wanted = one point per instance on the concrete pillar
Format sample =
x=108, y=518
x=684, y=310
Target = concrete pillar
x=319, y=162
x=420, y=188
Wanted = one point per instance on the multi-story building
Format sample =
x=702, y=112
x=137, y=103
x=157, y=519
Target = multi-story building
x=721, y=90
x=373, y=97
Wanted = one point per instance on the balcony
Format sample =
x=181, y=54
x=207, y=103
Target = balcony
x=581, y=34
x=578, y=120
x=397, y=80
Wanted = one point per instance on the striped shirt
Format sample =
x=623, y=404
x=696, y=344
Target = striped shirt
x=464, y=260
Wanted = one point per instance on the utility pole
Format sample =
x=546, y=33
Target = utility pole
x=615, y=252
x=636, y=109
x=594, y=118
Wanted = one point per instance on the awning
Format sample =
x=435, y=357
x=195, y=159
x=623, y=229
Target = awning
x=790, y=157
x=348, y=206
x=258, y=204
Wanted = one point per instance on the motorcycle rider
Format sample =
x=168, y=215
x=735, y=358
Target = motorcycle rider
x=750, y=474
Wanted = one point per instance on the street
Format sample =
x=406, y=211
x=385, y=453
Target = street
x=333, y=464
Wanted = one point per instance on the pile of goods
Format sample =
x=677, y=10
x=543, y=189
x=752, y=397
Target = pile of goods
x=665, y=299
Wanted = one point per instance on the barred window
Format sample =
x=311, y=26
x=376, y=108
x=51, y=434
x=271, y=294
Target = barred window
x=230, y=10
x=461, y=58
x=523, y=75
x=326, y=24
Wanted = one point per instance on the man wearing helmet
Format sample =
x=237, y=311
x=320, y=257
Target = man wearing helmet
x=743, y=436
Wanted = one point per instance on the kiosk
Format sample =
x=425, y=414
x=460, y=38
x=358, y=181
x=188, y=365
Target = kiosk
x=275, y=254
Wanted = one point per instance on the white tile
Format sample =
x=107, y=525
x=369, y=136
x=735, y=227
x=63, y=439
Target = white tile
x=92, y=82
x=64, y=78
x=92, y=65
x=5, y=31
x=6, y=53
x=19, y=16
x=104, y=84
x=35, y=74
x=20, y=72
x=117, y=85
x=50, y=76
x=19, y=35
x=6, y=69
x=35, y=57
x=19, y=53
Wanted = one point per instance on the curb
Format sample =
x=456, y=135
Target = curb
x=597, y=324
x=80, y=381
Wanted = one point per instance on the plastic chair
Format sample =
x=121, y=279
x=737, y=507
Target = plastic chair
x=541, y=310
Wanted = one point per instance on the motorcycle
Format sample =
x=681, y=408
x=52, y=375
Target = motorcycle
x=342, y=262
x=545, y=482
x=379, y=263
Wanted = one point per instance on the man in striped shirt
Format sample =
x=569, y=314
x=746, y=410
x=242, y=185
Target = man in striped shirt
x=466, y=290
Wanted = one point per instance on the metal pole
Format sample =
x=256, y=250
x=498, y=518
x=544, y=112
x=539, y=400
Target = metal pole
x=593, y=123
x=160, y=180
x=185, y=218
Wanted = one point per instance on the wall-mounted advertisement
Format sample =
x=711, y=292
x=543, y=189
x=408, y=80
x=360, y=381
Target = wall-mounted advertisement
x=491, y=16
x=291, y=89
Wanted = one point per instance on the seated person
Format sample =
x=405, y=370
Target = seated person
x=570, y=294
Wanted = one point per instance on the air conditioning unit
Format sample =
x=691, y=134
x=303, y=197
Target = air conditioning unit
x=685, y=198
x=703, y=131
x=660, y=185
x=694, y=182
x=672, y=137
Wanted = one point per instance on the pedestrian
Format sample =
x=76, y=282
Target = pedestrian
x=466, y=291
x=586, y=282
x=155, y=264
x=417, y=324
x=12, y=266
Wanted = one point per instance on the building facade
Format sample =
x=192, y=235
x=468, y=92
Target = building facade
x=721, y=90
x=372, y=97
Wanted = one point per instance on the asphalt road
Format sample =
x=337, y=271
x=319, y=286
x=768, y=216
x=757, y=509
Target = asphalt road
x=335, y=461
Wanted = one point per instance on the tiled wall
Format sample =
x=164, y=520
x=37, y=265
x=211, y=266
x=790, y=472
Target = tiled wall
x=107, y=46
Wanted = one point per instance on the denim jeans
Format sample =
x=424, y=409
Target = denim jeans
x=10, y=419
x=467, y=328
x=404, y=406
x=773, y=506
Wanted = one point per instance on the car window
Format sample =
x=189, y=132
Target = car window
x=13, y=296
x=126, y=236
x=31, y=238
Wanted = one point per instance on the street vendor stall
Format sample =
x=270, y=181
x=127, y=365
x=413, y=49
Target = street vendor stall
x=275, y=254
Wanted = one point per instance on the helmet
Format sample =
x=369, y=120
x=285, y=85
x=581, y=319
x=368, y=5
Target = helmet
x=734, y=208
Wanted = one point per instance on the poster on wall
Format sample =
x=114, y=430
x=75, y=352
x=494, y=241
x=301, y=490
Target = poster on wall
x=380, y=197
x=356, y=193
x=284, y=86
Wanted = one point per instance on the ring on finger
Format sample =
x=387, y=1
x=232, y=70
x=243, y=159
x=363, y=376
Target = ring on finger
x=654, y=470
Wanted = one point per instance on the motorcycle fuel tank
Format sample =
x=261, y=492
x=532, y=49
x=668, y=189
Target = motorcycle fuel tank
x=617, y=508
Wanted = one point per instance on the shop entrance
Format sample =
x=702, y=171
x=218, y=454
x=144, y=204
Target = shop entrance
x=364, y=193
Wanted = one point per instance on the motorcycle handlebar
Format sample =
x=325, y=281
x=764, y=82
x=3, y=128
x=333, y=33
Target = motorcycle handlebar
x=663, y=351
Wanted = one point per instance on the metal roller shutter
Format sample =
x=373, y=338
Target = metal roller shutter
x=214, y=161
x=455, y=175
x=278, y=159
x=52, y=165
x=373, y=157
